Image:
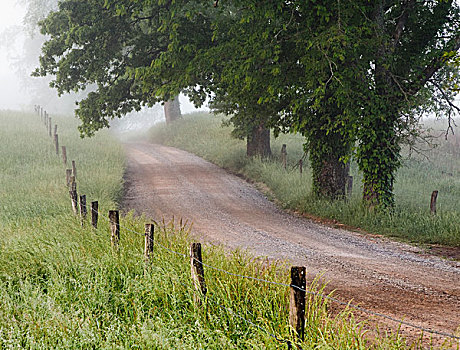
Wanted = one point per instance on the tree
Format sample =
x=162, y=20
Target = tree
x=367, y=68
x=414, y=41
x=100, y=46
x=172, y=110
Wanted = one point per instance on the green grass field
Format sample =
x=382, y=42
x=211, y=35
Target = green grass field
x=62, y=286
x=411, y=221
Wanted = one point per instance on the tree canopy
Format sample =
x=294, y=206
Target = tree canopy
x=351, y=76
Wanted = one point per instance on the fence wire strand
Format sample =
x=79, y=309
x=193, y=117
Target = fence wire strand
x=323, y=296
x=212, y=299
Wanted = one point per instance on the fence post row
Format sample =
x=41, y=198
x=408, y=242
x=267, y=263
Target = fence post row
x=349, y=185
x=148, y=247
x=74, y=169
x=434, y=197
x=284, y=156
x=114, y=218
x=68, y=174
x=197, y=272
x=83, y=210
x=64, y=155
x=94, y=213
x=56, y=143
x=74, y=199
x=297, y=300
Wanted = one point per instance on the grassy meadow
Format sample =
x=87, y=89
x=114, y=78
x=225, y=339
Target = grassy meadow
x=437, y=169
x=62, y=286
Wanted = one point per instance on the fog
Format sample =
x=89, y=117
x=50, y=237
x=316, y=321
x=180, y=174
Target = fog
x=12, y=95
x=18, y=91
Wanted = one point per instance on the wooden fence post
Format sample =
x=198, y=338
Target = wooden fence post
x=114, y=218
x=74, y=169
x=94, y=213
x=64, y=155
x=297, y=300
x=148, y=247
x=284, y=156
x=197, y=272
x=83, y=210
x=56, y=143
x=434, y=197
x=55, y=129
x=301, y=166
x=73, y=183
x=49, y=125
x=349, y=186
x=68, y=174
x=74, y=199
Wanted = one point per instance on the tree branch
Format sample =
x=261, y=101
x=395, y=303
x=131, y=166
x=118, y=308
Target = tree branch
x=450, y=120
x=402, y=21
x=434, y=66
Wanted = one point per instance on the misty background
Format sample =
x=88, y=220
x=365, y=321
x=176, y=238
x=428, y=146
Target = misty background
x=19, y=51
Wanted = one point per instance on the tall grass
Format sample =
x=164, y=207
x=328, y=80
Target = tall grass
x=62, y=287
x=204, y=135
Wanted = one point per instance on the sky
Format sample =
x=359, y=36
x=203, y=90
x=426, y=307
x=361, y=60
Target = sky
x=11, y=94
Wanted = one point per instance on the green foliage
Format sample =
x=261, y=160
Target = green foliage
x=62, y=287
x=409, y=220
x=338, y=73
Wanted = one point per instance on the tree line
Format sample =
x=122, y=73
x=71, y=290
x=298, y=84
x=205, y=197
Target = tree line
x=351, y=76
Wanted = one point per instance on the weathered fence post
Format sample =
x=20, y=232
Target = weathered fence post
x=56, y=143
x=72, y=183
x=148, y=247
x=434, y=197
x=49, y=125
x=55, y=129
x=94, y=213
x=74, y=168
x=83, y=210
x=284, y=156
x=301, y=166
x=197, y=272
x=74, y=199
x=349, y=186
x=297, y=299
x=64, y=155
x=114, y=218
x=68, y=174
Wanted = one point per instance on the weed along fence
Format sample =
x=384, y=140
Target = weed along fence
x=197, y=283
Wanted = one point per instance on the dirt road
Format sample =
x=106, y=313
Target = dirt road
x=387, y=277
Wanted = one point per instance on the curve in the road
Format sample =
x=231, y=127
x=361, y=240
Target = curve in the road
x=387, y=277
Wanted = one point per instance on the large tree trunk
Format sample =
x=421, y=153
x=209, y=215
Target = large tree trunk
x=329, y=181
x=379, y=154
x=172, y=110
x=327, y=147
x=258, y=142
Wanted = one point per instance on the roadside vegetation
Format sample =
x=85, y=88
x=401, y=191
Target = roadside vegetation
x=410, y=220
x=61, y=286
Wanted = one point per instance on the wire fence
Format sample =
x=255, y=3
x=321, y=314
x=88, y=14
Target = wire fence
x=43, y=114
x=323, y=296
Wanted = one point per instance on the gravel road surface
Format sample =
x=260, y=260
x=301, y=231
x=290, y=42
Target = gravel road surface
x=387, y=277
